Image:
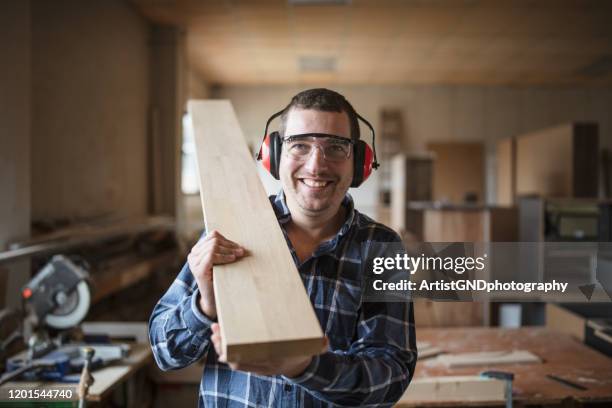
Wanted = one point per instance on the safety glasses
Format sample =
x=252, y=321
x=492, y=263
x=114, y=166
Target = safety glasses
x=334, y=148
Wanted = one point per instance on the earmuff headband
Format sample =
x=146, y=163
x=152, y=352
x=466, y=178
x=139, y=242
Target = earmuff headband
x=375, y=164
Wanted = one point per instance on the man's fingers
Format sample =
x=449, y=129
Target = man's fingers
x=220, y=255
x=217, y=342
x=217, y=249
x=219, y=259
x=217, y=236
x=217, y=245
x=229, y=250
x=263, y=368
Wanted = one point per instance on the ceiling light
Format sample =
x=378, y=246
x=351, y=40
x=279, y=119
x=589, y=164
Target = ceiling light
x=316, y=64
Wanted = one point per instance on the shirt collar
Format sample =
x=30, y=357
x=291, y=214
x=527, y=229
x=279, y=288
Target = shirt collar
x=284, y=215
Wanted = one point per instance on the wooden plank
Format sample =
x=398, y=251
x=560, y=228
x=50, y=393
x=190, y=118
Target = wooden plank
x=108, y=378
x=487, y=358
x=465, y=388
x=262, y=306
x=427, y=352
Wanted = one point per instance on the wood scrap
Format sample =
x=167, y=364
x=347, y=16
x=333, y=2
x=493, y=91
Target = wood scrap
x=427, y=350
x=487, y=358
x=453, y=389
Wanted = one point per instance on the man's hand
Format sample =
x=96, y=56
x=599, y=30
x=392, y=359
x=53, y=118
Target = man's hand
x=214, y=249
x=289, y=367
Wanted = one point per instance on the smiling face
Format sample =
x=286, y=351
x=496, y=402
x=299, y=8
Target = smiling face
x=316, y=186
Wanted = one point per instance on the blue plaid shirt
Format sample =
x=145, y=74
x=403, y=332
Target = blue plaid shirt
x=372, y=347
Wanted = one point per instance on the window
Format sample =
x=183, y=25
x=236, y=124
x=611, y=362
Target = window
x=189, y=165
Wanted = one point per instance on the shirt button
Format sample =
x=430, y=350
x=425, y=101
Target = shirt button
x=288, y=387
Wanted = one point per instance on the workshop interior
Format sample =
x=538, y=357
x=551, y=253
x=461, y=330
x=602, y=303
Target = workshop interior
x=493, y=124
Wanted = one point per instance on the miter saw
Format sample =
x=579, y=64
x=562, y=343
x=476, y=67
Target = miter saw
x=58, y=296
x=57, y=300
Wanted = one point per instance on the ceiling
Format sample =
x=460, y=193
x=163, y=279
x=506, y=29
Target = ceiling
x=394, y=42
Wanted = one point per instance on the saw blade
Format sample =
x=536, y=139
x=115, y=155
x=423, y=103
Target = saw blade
x=73, y=310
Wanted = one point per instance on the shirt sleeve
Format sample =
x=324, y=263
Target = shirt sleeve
x=179, y=332
x=377, y=368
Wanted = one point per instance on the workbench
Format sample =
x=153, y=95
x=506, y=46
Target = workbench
x=106, y=379
x=561, y=355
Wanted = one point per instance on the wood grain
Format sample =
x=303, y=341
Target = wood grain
x=262, y=306
x=465, y=388
x=488, y=358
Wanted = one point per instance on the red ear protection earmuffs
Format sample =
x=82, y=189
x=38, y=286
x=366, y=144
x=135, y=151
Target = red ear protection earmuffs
x=364, y=157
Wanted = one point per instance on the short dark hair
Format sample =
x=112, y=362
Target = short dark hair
x=325, y=100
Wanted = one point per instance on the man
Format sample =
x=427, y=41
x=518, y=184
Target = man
x=371, y=351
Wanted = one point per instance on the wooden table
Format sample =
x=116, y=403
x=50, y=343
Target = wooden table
x=105, y=379
x=562, y=356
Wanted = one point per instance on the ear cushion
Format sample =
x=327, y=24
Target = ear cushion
x=368, y=162
x=358, y=157
x=275, y=146
x=264, y=153
x=362, y=162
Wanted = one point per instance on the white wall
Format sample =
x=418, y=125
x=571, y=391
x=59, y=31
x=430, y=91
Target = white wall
x=440, y=113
